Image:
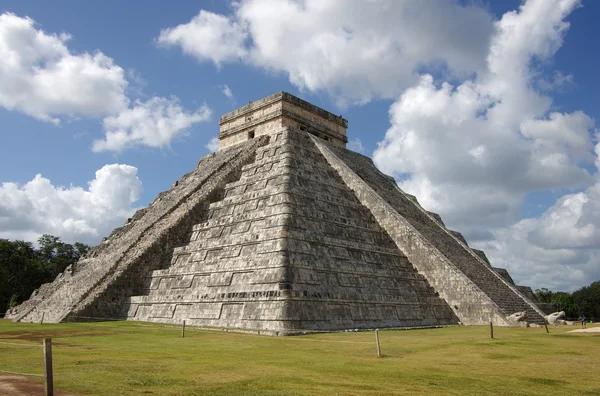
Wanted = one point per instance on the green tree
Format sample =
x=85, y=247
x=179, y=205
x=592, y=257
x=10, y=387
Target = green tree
x=565, y=302
x=18, y=270
x=56, y=255
x=544, y=295
x=23, y=268
x=588, y=300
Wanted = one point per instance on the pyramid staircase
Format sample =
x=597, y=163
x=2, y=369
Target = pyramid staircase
x=97, y=286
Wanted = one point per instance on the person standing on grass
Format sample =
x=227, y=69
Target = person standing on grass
x=583, y=321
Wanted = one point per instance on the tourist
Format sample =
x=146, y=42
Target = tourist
x=583, y=321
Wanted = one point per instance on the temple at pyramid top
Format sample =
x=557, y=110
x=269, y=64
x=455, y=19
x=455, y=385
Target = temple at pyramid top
x=277, y=111
x=281, y=231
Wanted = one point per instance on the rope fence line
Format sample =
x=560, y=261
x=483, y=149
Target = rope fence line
x=26, y=374
x=260, y=332
x=23, y=345
x=97, y=321
x=247, y=332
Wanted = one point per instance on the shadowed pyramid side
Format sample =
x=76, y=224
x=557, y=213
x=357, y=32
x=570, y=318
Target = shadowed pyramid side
x=345, y=272
x=476, y=292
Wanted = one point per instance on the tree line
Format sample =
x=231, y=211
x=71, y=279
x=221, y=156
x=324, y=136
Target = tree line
x=585, y=301
x=25, y=267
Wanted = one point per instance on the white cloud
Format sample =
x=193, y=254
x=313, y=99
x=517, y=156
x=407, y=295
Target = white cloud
x=353, y=50
x=154, y=123
x=473, y=152
x=227, y=91
x=208, y=36
x=480, y=147
x=559, y=250
x=137, y=83
x=559, y=80
x=42, y=78
x=74, y=213
x=356, y=145
x=562, y=133
x=213, y=144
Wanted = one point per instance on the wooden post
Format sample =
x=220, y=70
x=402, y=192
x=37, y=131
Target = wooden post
x=43, y=314
x=48, y=377
x=377, y=340
x=183, y=330
x=491, y=329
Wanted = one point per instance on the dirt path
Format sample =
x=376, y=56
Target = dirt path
x=588, y=330
x=23, y=386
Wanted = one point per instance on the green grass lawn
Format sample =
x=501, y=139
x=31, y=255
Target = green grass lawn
x=125, y=358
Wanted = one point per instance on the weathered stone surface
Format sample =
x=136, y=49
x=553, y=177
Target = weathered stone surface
x=280, y=110
x=554, y=317
x=546, y=308
x=459, y=275
x=290, y=248
x=121, y=263
x=482, y=256
x=505, y=275
x=518, y=317
x=283, y=230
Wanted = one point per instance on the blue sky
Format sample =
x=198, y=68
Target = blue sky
x=508, y=158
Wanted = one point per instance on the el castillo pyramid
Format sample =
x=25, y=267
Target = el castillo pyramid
x=283, y=230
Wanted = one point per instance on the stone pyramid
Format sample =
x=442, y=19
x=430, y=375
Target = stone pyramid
x=283, y=230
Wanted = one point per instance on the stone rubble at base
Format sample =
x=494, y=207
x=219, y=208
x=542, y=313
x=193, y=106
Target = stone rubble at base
x=283, y=231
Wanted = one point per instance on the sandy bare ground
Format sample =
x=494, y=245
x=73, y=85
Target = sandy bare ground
x=588, y=330
x=14, y=385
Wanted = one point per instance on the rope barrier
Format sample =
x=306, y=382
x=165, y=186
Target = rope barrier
x=16, y=373
x=99, y=319
x=124, y=321
x=23, y=345
x=97, y=322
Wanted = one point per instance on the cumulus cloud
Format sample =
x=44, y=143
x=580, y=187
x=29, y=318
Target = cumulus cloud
x=154, y=123
x=41, y=77
x=213, y=144
x=74, y=213
x=490, y=138
x=208, y=36
x=473, y=152
x=353, y=50
x=559, y=250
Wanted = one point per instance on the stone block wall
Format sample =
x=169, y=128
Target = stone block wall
x=290, y=248
x=278, y=111
x=460, y=276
